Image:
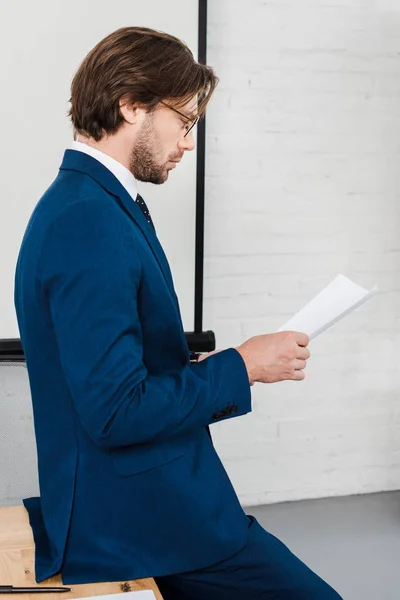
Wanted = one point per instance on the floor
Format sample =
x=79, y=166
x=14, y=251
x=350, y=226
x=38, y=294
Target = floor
x=353, y=543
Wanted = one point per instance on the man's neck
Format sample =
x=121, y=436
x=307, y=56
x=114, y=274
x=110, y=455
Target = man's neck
x=109, y=145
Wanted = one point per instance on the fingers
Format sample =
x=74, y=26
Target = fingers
x=298, y=370
x=303, y=353
x=298, y=375
x=299, y=365
x=301, y=339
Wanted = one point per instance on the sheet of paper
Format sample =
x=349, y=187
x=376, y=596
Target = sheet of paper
x=335, y=301
x=141, y=595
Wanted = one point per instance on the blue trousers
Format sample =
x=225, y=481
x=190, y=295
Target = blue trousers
x=264, y=569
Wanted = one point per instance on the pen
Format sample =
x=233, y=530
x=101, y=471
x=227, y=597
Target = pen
x=10, y=589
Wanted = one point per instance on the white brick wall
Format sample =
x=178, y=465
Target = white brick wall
x=303, y=183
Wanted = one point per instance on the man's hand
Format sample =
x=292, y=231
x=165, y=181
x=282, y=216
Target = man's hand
x=275, y=357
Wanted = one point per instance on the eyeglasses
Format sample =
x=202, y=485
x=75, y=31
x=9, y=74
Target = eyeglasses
x=185, y=117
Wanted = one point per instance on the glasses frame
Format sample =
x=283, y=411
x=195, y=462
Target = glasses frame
x=182, y=115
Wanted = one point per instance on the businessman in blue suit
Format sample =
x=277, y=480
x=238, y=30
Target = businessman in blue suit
x=131, y=485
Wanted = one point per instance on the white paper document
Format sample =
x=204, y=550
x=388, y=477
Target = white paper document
x=141, y=595
x=338, y=299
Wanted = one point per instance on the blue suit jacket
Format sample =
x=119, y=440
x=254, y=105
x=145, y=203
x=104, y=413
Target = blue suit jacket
x=130, y=483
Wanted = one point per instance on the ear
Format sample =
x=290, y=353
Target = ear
x=130, y=111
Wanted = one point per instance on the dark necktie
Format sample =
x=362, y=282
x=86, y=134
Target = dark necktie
x=143, y=207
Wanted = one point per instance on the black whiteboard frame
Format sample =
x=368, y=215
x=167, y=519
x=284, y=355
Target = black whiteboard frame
x=198, y=340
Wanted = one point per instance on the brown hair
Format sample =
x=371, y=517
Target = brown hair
x=139, y=64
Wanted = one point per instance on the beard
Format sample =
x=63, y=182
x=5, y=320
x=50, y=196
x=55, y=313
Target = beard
x=144, y=163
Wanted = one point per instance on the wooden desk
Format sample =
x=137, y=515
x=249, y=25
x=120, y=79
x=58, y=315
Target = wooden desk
x=17, y=564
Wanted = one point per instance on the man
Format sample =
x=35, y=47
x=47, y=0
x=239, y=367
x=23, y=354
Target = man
x=131, y=485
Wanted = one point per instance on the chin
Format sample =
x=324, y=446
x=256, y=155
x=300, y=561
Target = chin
x=155, y=179
x=162, y=177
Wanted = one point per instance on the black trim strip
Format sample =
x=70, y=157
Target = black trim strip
x=204, y=341
x=11, y=351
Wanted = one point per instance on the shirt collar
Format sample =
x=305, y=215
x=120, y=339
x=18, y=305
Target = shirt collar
x=123, y=174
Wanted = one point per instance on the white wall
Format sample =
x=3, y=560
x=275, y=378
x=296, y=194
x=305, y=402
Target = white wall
x=303, y=182
x=42, y=43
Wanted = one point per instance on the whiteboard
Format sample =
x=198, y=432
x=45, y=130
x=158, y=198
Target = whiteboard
x=42, y=44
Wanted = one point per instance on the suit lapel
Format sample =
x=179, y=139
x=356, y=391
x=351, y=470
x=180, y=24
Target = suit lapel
x=78, y=161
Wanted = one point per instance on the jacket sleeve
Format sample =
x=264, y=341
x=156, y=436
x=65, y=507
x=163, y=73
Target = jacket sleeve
x=91, y=274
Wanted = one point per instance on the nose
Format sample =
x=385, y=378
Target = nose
x=187, y=142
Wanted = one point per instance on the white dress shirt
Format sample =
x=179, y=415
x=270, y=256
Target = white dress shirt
x=123, y=174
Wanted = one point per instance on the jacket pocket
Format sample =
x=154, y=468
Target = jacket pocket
x=141, y=458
